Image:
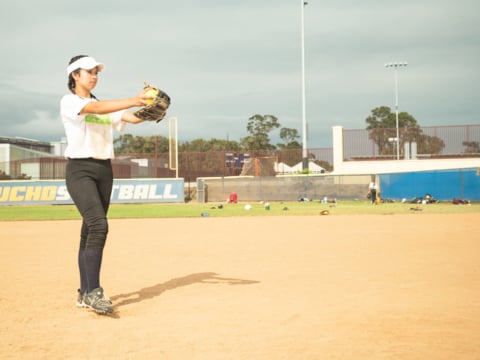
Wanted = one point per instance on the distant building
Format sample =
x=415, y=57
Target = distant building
x=313, y=168
x=15, y=150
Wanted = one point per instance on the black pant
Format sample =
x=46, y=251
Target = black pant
x=89, y=183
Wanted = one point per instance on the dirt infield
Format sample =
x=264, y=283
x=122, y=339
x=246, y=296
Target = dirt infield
x=325, y=287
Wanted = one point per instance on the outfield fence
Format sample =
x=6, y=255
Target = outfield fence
x=358, y=145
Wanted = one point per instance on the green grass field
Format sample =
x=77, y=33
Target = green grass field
x=312, y=208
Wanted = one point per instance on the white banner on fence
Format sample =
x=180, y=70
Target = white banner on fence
x=124, y=191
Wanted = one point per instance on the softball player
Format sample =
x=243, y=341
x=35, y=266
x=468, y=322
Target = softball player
x=89, y=125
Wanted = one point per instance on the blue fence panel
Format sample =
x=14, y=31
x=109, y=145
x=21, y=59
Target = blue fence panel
x=441, y=184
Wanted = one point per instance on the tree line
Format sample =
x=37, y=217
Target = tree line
x=259, y=128
x=381, y=125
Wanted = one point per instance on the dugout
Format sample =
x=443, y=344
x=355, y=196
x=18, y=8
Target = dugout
x=282, y=188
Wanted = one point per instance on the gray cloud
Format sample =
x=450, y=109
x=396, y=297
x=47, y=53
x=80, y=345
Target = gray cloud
x=222, y=62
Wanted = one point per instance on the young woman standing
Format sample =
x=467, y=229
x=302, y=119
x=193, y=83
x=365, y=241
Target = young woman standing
x=89, y=125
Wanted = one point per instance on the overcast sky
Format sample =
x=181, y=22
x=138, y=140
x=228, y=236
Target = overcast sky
x=222, y=61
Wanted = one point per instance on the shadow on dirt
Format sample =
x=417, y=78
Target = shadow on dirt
x=156, y=290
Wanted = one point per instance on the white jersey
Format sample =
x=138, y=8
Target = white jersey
x=88, y=135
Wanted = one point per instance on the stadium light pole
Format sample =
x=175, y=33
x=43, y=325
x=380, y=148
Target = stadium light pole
x=304, y=116
x=395, y=66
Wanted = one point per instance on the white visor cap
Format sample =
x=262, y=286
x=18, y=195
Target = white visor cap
x=86, y=63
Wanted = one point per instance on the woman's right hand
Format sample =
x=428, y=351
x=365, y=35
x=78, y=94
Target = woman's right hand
x=144, y=98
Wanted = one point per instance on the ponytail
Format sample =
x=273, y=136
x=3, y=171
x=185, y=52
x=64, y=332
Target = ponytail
x=71, y=81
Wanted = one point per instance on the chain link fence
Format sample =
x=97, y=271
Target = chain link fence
x=360, y=144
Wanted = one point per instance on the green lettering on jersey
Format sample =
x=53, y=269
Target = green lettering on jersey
x=98, y=119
